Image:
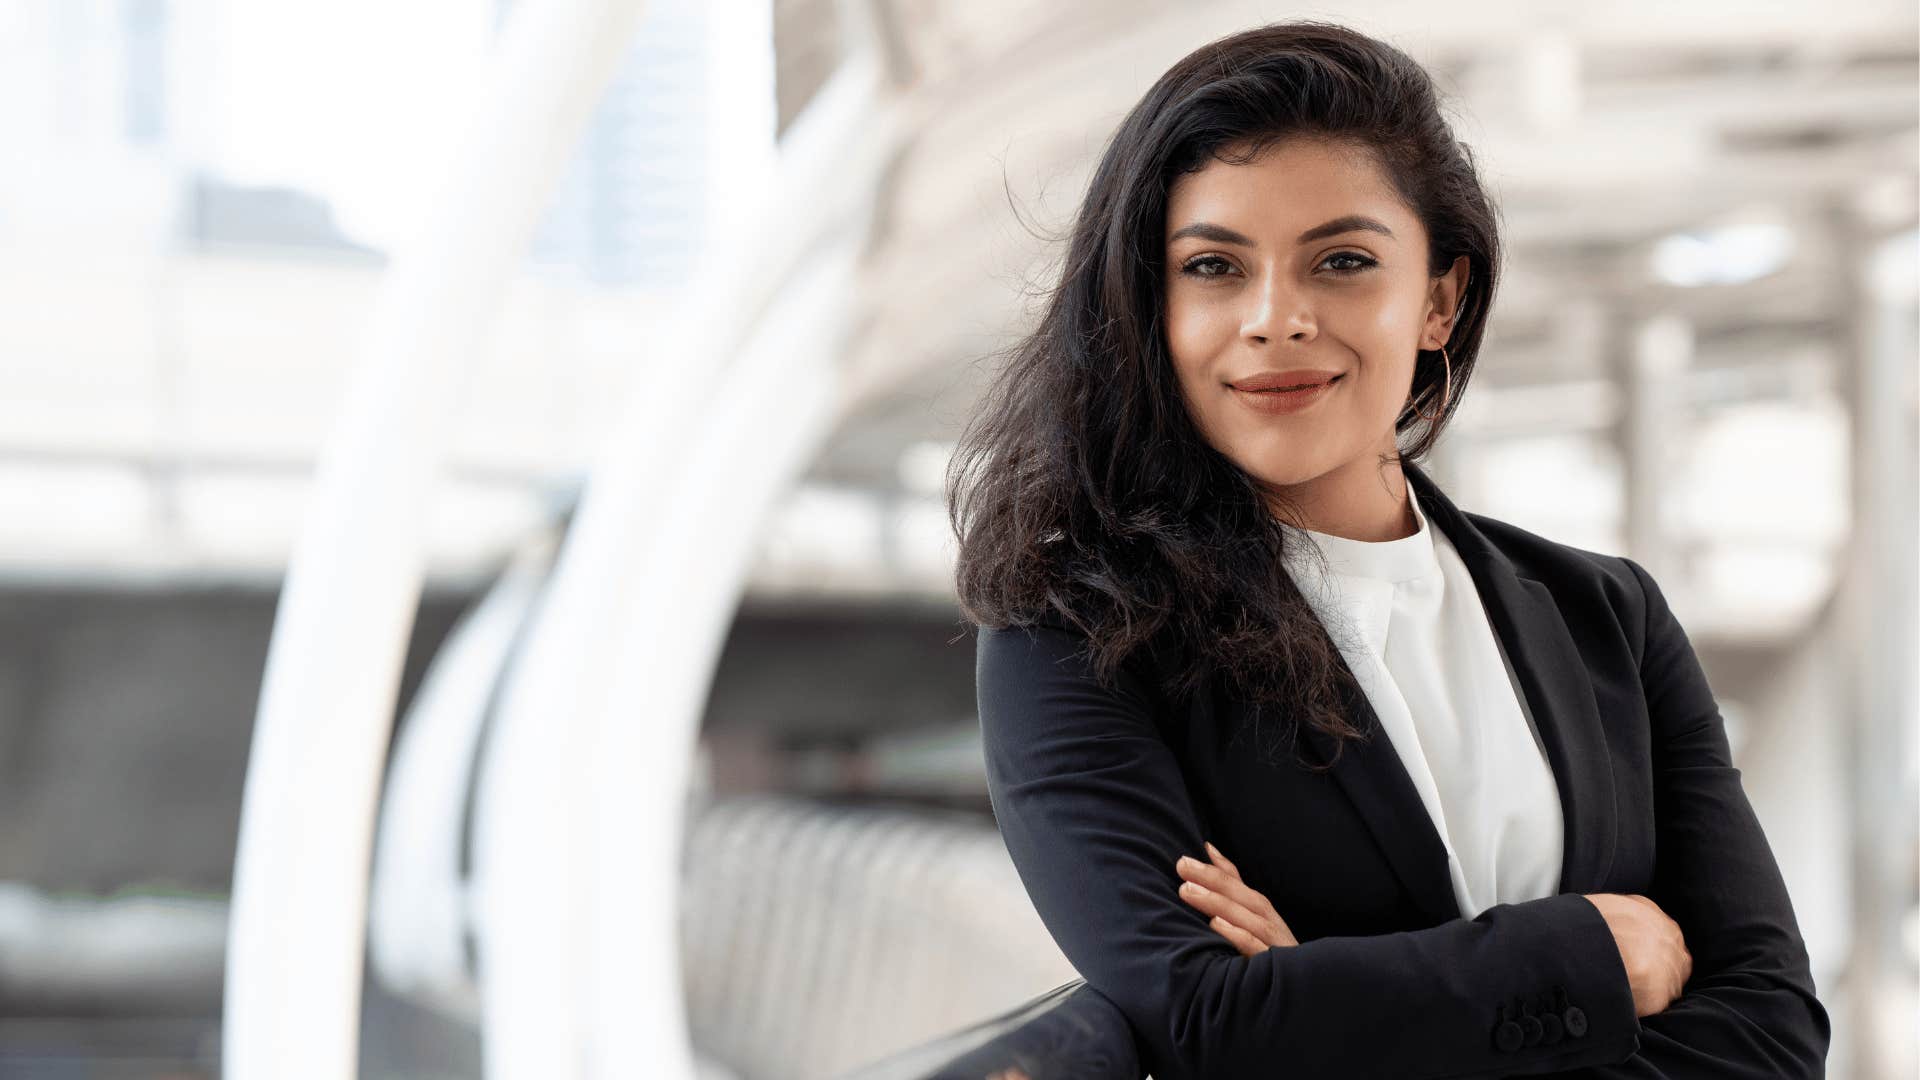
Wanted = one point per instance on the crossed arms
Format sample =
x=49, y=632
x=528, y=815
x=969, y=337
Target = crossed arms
x=1094, y=812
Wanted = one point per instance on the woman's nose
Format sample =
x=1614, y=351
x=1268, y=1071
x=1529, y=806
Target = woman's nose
x=1274, y=310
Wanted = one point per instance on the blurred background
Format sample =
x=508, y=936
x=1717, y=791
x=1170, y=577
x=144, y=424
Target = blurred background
x=483, y=461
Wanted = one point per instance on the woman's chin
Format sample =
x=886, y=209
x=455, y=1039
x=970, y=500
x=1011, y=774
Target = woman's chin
x=1279, y=460
x=1291, y=474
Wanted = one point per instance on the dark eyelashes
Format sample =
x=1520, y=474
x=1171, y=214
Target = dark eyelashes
x=1189, y=266
x=1357, y=264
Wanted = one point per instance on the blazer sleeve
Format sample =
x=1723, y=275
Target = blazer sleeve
x=1749, y=1010
x=1093, y=809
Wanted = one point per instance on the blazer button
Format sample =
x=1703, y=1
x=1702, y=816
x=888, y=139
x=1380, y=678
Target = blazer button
x=1552, y=1029
x=1532, y=1030
x=1576, y=1021
x=1508, y=1036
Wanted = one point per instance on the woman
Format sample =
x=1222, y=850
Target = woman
x=1203, y=595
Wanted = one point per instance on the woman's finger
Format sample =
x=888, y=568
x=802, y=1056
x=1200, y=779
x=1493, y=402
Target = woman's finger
x=1238, y=902
x=1210, y=902
x=1221, y=860
x=1220, y=881
x=1238, y=938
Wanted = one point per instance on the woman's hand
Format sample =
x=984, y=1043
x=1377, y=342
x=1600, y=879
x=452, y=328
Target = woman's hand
x=1652, y=949
x=1240, y=913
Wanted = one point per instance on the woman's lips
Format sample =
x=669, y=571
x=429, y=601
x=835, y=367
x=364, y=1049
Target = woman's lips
x=1279, y=402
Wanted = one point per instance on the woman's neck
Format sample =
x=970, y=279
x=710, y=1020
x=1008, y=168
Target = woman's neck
x=1360, y=500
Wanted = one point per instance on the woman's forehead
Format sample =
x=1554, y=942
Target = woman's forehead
x=1285, y=192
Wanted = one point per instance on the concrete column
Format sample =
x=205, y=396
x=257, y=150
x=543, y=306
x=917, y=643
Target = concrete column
x=1653, y=441
x=1877, y=621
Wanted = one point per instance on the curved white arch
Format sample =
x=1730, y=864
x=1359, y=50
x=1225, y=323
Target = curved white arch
x=295, y=938
x=577, y=883
x=417, y=898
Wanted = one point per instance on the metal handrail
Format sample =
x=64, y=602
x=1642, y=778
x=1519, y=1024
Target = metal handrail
x=1071, y=1032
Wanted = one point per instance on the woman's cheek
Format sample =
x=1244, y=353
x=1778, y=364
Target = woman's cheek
x=1196, y=337
x=1183, y=337
x=1186, y=349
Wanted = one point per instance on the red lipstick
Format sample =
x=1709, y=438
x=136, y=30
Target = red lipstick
x=1278, y=392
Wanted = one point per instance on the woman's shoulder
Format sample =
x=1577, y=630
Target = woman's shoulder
x=1049, y=636
x=1579, y=578
x=1053, y=645
x=1546, y=559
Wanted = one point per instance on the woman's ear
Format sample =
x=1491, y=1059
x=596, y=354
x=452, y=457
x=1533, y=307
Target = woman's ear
x=1444, y=299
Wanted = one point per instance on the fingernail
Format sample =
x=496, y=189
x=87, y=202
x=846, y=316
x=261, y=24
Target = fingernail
x=1211, y=848
x=1195, y=888
x=1188, y=860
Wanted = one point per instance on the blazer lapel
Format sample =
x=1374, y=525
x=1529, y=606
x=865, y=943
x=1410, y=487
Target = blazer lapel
x=1376, y=782
x=1553, y=676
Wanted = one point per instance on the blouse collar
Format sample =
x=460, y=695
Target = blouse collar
x=1404, y=559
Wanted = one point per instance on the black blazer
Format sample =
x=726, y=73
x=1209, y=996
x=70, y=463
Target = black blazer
x=1097, y=792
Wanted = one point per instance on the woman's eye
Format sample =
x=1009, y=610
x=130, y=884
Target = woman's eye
x=1355, y=262
x=1194, y=266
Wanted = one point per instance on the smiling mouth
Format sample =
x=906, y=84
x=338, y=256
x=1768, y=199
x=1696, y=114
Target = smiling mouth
x=1285, y=401
x=1295, y=388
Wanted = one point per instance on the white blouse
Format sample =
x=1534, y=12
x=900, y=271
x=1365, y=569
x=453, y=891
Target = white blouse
x=1409, y=621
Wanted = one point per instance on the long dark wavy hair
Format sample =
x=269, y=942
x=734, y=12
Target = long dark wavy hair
x=1082, y=489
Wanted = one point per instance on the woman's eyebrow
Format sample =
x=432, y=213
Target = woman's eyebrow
x=1207, y=230
x=1220, y=234
x=1349, y=223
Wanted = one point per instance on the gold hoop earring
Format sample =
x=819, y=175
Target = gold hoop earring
x=1446, y=392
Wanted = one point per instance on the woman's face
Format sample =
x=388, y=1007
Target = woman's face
x=1303, y=260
